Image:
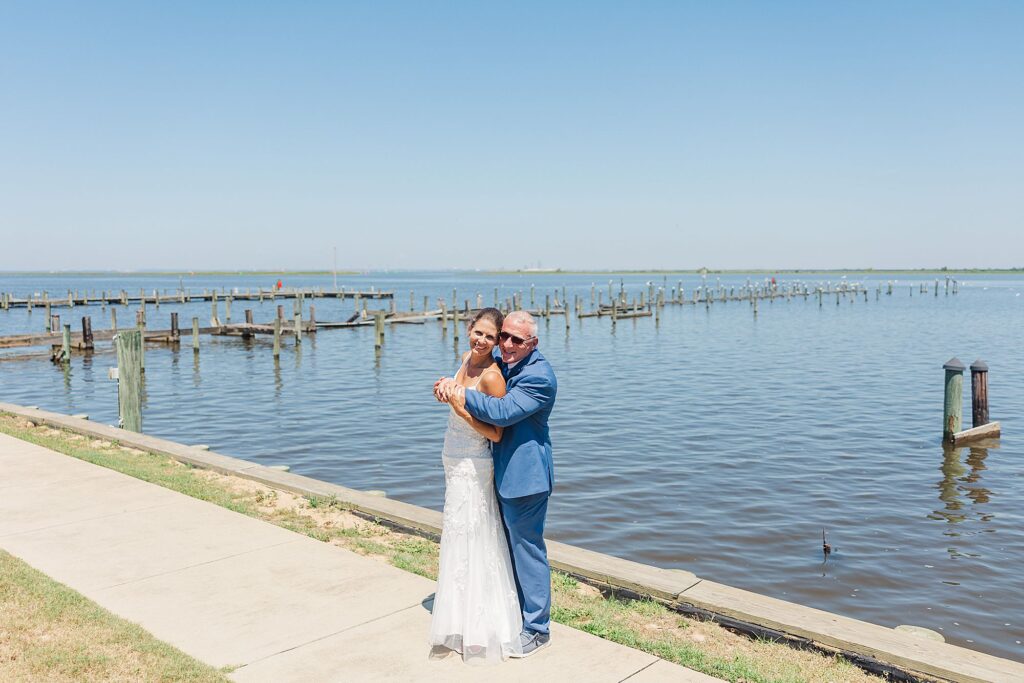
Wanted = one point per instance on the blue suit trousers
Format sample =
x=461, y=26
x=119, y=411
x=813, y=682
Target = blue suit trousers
x=524, y=529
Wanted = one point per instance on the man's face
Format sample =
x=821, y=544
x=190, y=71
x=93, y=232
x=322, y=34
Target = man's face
x=512, y=352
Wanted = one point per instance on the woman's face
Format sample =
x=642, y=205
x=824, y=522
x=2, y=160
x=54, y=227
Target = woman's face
x=483, y=336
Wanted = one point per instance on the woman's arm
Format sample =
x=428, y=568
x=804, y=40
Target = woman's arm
x=492, y=384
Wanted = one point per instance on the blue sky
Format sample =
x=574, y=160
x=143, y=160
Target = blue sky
x=482, y=135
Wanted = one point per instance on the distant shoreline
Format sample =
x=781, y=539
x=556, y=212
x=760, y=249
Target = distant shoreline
x=528, y=271
x=179, y=273
x=763, y=271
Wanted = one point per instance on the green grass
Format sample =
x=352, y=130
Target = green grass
x=48, y=632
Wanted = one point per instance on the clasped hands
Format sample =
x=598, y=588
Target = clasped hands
x=446, y=390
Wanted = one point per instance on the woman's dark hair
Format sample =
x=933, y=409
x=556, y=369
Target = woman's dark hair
x=492, y=314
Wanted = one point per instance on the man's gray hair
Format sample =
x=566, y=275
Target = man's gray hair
x=523, y=317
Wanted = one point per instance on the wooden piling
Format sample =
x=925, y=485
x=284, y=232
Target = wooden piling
x=280, y=311
x=195, y=335
x=979, y=393
x=952, y=405
x=547, y=305
x=277, y=337
x=129, y=379
x=248, y=316
x=54, y=323
x=455, y=322
x=311, y=325
x=65, y=344
x=87, y=340
x=227, y=309
x=426, y=303
x=175, y=332
x=298, y=328
x=140, y=325
x=378, y=328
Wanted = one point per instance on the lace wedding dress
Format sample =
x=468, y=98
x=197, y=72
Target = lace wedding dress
x=476, y=609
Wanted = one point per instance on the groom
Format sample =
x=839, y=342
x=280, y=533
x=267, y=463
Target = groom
x=523, y=468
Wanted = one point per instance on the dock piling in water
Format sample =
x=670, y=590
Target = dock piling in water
x=378, y=327
x=979, y=393
x=87, y=340
x=952, y=406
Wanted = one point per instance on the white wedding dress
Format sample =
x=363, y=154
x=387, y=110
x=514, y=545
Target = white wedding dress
x=476, y=609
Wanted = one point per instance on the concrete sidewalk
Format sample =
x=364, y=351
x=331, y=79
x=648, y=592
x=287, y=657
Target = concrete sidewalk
x=234, y=591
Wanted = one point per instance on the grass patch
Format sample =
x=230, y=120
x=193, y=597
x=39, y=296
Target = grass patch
x=48, y=632
x=642, y=624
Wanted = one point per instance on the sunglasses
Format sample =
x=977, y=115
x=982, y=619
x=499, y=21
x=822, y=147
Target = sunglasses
x=518, y=341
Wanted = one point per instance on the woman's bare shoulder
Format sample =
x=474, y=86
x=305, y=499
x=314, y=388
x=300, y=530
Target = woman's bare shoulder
x=491, y=381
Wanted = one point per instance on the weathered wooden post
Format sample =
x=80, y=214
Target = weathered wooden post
x=140, y=325
x=195, y=335
x=532, y=294
x=378, y=327
x=65, y=344
x=952, y=407
x=455, y=322
x=113, y=319
x=547, y=305
x=444, y=317
x=426, y=303
x=129, y=379
x=311, y=326
x=87, y=341
x=615, y=313
x=277, y=337
x=298, y=328
x=979, y=393
x=248, y=316
x=227, y=309
x=175, y=332
x=280, y=311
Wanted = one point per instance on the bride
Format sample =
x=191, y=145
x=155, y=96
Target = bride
x=476, y=609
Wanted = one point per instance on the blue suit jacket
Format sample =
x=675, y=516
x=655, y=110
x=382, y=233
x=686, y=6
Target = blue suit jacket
x=522, y=459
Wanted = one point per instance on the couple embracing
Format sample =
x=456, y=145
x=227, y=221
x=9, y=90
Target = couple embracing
x=493, y=596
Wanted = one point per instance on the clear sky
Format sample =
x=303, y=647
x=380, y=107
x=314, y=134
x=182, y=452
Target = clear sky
x=208, y=135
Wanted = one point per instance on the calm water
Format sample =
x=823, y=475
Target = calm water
x=714, y=442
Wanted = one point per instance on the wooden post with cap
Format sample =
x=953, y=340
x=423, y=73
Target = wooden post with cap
x=952, y=406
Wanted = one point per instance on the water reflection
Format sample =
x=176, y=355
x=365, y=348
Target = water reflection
x=66, y=369
x=959, y=481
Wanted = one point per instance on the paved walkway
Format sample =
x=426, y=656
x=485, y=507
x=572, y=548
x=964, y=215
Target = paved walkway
x=234, y=591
